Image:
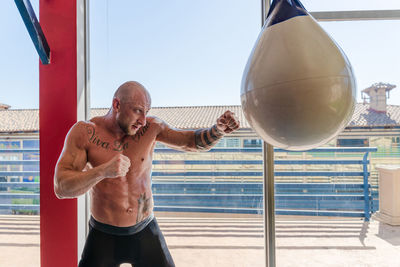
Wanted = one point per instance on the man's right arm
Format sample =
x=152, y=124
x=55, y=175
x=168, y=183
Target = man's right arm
x=69, y=178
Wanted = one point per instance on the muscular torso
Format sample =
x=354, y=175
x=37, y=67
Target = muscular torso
x=122, y=201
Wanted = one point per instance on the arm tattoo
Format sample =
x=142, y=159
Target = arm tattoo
x=207, y=138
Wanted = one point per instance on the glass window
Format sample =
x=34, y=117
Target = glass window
x=323, y=176
x=160, y=145
x=221, y=143
x=19, y=83
x=252, y=143
x=9, y=144
x=228, y=143
x=188, y=53
x=353, y=142
x=232, y=142
x=181, y=48
x=375, y=39
x=33, y=144
x=175, y=54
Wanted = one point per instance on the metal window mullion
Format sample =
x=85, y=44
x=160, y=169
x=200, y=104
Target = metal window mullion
x=356, y=15
x=87, y=94
x=83, y=104
x=269, y=205
x=269, y=182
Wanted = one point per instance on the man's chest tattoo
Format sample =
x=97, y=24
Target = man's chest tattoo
x=117, y=145
x=140, y=133
x=120, y=146
x=97, y=141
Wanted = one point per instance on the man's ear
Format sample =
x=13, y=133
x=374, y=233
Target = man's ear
x=116, y=104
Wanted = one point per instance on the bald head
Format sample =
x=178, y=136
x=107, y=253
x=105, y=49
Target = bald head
x=130, y=106
x=129, y=91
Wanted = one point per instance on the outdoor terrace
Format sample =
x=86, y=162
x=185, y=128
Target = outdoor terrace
x=211, y=239
x=209, y=206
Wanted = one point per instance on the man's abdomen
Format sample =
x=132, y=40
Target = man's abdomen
x=119, y=203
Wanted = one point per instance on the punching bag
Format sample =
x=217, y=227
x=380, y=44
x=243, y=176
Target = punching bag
x=298, y=88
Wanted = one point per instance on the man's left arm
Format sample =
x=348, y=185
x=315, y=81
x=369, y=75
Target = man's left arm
x=201, y=139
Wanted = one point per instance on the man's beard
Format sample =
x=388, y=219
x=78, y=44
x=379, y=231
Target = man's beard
x=126, y=128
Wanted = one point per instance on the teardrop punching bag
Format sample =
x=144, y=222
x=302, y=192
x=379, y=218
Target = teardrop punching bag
x=298, y=88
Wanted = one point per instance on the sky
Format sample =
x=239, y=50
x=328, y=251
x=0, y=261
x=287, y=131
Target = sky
x=188, y=53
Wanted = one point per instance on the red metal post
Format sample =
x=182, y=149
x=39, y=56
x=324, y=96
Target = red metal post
x=57, y=113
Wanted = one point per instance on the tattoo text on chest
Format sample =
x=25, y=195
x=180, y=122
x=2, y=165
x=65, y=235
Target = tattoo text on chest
x=95, y=139
x=140, y=133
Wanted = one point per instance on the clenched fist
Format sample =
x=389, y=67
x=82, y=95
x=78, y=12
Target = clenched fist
x=118, y=166
x=228, y=122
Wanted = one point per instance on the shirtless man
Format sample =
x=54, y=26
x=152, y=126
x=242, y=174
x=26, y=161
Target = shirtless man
x=119, y=147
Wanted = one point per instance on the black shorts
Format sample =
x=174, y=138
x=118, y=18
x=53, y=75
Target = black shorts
x=146, y=248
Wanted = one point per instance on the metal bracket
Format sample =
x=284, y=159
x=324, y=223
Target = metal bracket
x=34, y=29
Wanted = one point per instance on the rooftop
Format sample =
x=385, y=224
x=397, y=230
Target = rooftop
x=27, y=120
x=4, y=106
x=375, y=86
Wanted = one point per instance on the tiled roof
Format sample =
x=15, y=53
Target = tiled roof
x=363, y=116
x=189, y=117
x=20, y=120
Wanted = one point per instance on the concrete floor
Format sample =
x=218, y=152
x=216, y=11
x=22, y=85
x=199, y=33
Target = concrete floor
x=199, y=240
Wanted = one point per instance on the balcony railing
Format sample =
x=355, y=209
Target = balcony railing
x=323, y=181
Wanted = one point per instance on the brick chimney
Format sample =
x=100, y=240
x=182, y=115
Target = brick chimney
x=377, y=94
x=4, y=106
